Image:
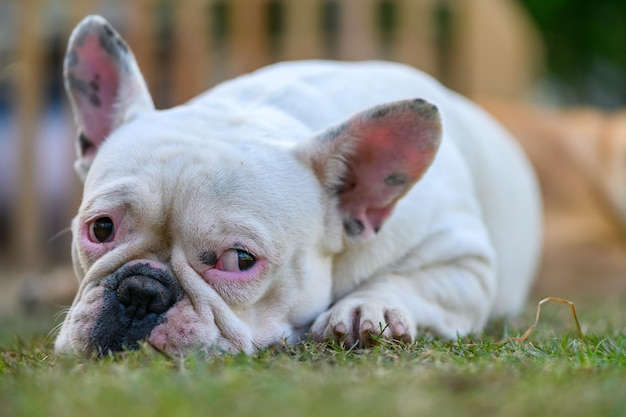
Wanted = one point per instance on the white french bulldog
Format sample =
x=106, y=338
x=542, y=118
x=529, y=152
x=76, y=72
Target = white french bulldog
x=308, y=198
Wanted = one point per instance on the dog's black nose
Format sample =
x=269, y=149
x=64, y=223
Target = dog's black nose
x=143, y=295
x=135, y=300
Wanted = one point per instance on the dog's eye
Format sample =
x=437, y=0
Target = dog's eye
x=235, y=260
x=102, y=230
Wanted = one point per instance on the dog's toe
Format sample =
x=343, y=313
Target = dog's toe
x=399, y=326
x=361, y=322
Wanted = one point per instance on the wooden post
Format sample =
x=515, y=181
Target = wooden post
x=27, y=227
x=496, y=50
x=142, y=37
x=248, y=36
x=192, y=58
x=415, y=36
x=357, y=30
x=302, y=38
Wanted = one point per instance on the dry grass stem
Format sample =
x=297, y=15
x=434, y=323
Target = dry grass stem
x=526, y=334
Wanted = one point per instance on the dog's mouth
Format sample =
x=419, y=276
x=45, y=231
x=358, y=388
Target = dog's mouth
x=136, y=299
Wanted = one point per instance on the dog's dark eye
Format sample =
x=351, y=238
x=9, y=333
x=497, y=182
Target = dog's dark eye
x=102, y=230
x=245, y=260
x=236, y=260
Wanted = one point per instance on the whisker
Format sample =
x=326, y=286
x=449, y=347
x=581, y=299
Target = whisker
x=62, y=312
x=54, y=331
x=60, y=233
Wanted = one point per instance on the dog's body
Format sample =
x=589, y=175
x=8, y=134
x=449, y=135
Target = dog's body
x=266, y=209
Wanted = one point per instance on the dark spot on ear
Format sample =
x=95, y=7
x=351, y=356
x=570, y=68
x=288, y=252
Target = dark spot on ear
x=95, y=84
x=111, y=42
x=108, y=30
x=333, y=133
x=427, y=110
x=85, y=89
x=380, y=112
x=208, y=257
x=85, y=144
x=353, y=227
x=396, y=179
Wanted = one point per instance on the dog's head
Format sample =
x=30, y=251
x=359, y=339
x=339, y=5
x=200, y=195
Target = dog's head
x=213, y=227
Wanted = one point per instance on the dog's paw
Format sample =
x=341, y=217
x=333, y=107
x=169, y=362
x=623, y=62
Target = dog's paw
x=362, y=322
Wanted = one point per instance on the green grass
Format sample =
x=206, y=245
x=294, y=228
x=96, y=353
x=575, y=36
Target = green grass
x=553, y=372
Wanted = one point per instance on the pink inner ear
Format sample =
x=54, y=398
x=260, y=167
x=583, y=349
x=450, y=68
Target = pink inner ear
x=391, y=154
x=93, y=76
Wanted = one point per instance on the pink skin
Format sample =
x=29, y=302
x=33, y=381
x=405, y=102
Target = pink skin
x=179, y=330
x=188, y=326
x=401, y=145
x=102, y=76
x=216, y=275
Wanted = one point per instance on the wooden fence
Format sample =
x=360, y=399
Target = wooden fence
x=478, y=47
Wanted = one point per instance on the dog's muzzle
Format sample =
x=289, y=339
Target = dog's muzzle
x=135, y=300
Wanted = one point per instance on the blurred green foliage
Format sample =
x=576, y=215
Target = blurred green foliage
x=585, y=47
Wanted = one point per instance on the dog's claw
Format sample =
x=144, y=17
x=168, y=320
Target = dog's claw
x=367, y=327
x=340, y=330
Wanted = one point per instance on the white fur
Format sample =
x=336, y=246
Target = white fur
x=461, y=247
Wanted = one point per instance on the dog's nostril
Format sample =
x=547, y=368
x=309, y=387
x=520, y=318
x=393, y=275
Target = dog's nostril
x=142, y=295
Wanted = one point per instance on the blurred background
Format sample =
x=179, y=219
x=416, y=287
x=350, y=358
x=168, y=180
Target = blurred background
x=508, y=54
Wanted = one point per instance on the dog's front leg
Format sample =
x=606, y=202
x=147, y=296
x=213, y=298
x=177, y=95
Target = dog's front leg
x=447, y=299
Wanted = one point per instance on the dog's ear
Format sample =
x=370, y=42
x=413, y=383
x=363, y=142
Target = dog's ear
x=104, y=85
x=372, y=160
